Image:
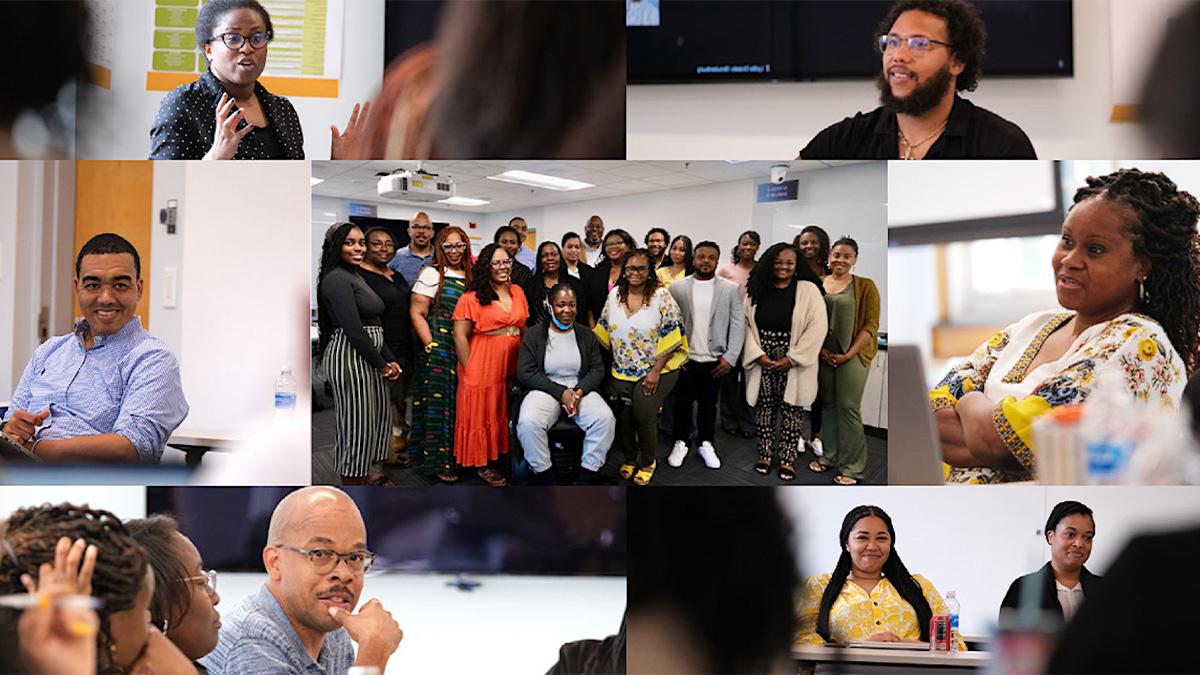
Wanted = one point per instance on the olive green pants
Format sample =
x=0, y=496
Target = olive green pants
x=637, y=420
x=842, y=436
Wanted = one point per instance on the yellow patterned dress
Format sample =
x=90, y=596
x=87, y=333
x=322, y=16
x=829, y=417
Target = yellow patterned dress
x=857, y=615
x=1133, y=344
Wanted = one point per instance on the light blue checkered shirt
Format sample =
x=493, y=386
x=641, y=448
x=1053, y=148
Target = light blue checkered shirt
x=256, y=638
x=126, y=384
x=408, y=264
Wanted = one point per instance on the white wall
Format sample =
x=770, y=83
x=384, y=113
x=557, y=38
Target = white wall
x=243, y=287
x=117, y=126
x=975, y=540
x=1064, y=118
x=10, y=361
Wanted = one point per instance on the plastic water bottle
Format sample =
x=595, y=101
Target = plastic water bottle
x=1111, y=427
x=285, y=393
x=952, y=609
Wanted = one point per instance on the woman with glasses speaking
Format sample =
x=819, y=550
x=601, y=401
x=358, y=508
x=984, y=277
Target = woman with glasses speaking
x=227, y=113
x=488, y=324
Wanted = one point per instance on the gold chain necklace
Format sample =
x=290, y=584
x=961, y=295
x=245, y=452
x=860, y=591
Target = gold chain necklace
x=913, y=146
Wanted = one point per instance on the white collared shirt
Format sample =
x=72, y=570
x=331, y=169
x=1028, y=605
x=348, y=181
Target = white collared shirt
x=1069, y=598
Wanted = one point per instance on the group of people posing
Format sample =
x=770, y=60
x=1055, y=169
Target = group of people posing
x=600, y=330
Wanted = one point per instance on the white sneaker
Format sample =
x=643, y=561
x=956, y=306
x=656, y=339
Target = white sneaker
x=816, y=446
x=677, y=453
x=709, y=454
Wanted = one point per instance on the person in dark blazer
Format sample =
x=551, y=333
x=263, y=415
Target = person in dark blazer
x=1128, y=625
x=1064, y=582
x=560, y=362
x=601, y=279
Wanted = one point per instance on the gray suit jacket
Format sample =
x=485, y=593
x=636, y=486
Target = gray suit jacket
x=727, y=319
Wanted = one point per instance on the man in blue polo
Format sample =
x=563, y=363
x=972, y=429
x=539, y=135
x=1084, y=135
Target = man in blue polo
x=109, y=391
x=409, y=260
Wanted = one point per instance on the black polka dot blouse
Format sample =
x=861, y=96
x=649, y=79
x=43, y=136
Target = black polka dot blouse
x=186, y=123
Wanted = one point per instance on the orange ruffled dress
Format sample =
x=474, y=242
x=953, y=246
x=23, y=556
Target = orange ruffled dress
x=481, y=425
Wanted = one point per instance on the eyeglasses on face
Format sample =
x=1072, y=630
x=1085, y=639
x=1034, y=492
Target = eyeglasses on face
x=209, y=577
x=325, y=560
x=236, y=40
x=917, y=44
x=454, y=247
x=498, y=264
x=637, y=269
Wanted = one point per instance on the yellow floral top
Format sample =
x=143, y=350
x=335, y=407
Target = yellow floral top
x=638, y=340
x=857, y=615
x=664, y=275
x=1134, y=344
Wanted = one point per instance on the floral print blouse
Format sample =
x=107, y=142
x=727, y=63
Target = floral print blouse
x=857, y=615
x=1134, y=344
x=638, y=340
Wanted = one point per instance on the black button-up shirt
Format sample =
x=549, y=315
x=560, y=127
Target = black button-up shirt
x=971, y=133
x=186, y=124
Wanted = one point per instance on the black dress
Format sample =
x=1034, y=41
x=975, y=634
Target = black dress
x=535, y=294
x=396, y=320
x=186, y=123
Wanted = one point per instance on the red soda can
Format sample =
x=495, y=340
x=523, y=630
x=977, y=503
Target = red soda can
x=939, y=634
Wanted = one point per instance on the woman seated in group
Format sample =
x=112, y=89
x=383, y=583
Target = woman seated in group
x=785, y=326
x=355, y=358
x=184, y=605
x=574, y=260
x=434, y=297
x=871, y=596
x=602, y=279
x=550, y=272
x=114, y=570
x=677, y=264
x=1063, y=583
x=561, y=364
x=1125, y=268
x=643, y=329
x=489, y=321
x=227, y=113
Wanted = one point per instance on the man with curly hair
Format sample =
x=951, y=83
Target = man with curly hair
x=931, y=50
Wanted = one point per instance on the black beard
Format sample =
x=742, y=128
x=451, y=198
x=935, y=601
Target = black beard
x=924, y=98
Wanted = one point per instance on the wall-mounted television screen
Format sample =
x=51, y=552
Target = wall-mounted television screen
x=764, y=40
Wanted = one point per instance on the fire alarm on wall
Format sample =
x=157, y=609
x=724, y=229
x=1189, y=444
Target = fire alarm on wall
x=470, y=226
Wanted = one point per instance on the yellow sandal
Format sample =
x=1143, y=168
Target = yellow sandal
x=626, y=471
x=644, y=474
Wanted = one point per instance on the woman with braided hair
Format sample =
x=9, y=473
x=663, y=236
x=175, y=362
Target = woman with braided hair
x=122, y=580
x=1126, y=270
x=870, y=596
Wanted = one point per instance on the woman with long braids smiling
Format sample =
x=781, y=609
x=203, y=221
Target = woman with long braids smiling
x=489, y=321
x=871, y=595
x=1126, y=270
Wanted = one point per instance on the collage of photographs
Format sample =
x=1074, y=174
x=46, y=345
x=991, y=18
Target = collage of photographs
x=565, y=336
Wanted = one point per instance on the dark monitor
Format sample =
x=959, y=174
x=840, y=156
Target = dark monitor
x=765, y=40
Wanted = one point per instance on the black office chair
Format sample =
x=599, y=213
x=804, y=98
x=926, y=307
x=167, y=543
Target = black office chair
x=565, y=439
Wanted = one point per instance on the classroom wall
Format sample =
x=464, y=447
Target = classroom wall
x=976, y=541
x=234, y=326
x=1063, y=117
x=117, y=126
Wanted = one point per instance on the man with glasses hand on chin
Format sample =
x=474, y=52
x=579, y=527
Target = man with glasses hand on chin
x=931, y=49
x=302, y=619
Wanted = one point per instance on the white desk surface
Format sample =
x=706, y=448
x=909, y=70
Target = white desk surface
x=214, y=438
x=890, y=656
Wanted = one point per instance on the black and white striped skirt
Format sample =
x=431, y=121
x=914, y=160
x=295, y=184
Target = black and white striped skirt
x=361, y=404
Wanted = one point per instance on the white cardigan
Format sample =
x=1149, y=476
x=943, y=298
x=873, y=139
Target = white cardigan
x=809, y=327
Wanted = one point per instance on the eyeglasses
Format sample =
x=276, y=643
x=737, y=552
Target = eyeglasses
x=917, y=44
x=637, y=269
x=614, y=244
x=325, y=560
x=454, y=247
x=420, y=227
x=209, y=577
x=497, y=264
x=236, y=40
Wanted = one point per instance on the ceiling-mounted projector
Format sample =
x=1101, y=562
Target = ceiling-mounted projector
x=415, y=186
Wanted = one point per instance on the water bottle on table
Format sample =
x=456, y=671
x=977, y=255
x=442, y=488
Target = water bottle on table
x=285, y=393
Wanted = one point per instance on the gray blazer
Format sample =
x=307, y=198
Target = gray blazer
x=727, y=321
